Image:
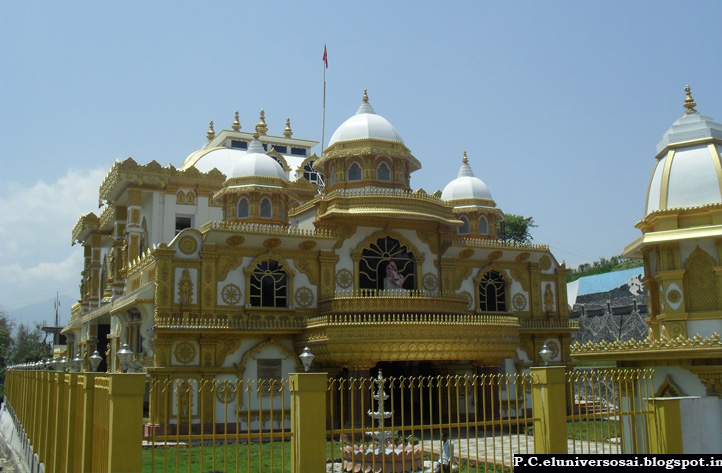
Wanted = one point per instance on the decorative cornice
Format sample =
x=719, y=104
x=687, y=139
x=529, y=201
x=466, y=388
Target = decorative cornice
x=657, y=349
x=86, y=223
x=178, y=323
x=677, y=211
x=411, y=319
x=153, y=175
x=497, y=244
x=261, y=229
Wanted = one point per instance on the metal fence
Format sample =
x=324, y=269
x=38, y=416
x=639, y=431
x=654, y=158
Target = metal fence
x=208, y=424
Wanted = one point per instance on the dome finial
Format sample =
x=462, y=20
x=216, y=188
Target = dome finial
x=256, y=135
x=465, y=160
x=287, y=132
x=261, y=126
x=366, y=97
x=211, y=132
x=689, y=102
x=236, y=123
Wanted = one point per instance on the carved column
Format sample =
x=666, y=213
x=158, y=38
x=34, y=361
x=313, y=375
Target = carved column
x=327, y=260
x=535, y=291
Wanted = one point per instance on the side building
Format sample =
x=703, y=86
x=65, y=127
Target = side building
x=254, y=248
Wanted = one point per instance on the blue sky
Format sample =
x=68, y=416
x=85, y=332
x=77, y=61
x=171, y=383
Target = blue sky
x=559, y=104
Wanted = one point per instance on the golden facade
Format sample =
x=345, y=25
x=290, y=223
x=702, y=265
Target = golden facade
x=255, y=248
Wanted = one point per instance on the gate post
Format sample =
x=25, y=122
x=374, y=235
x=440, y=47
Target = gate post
x=308, y=402
x=125, y=425
x=549, y=409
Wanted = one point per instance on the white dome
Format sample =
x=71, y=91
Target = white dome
x=690, y=173
x=255, y=162
x=223, y=159
x=364, y=125
x=466, y=186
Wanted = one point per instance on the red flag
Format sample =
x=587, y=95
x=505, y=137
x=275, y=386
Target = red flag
x=325, y=56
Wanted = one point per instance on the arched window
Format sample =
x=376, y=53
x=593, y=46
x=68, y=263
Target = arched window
x=354, y=172
x=492, y=292
x=243, y=211
x=483, y=226
x=268, y=285
x=266, y=208
x=387, y=264
x=383, y=173
x=464, y=229
x=332, y=177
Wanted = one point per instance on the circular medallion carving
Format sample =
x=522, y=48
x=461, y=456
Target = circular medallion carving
x=466, y=253
x=231, y=294
x=495, y=255
x=304, y=297
x=344, y=278
x=519, y=301
x=674, y=296
x=272, y=243
x=307, y=245
x=184, y=352
x=554, y=347
x=225, y=392
x=188, y=245
x=235, y=240
x=430, y=282
x=545, y=262
x=522, y=256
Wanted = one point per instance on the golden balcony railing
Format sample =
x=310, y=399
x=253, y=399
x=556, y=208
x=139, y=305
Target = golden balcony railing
x=393, y=300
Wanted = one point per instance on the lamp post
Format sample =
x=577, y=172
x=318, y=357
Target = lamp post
x=306, y=358
x=124, y=354
x=546, y=354
x=95, y=360
x=77, y=363
x=63, y=363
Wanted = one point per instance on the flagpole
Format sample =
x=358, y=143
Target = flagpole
x=323, y=128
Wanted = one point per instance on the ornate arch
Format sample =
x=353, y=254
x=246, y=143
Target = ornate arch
x=271, y=342
x=417, y=259
x=280, y=159
x=260, y=261
x=507, y=281
x=700, y=282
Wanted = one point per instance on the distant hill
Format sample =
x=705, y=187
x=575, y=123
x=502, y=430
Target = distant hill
x=602, y=266
x=42, y=312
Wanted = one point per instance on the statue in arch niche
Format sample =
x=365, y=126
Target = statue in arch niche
x=394, y=279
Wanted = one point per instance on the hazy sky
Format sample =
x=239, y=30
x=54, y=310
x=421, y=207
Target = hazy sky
x=559, y=104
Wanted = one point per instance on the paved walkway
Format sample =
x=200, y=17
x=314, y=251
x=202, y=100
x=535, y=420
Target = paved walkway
x=499, y=450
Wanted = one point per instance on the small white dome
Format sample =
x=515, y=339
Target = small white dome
x=466, y=186
x=688, y=177
x=255, y=162
x=364, y=125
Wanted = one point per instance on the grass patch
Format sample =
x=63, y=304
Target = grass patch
x=272, y=457
x=594, y=430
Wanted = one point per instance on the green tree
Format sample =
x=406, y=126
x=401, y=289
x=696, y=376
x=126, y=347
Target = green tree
x=30, y=345
x=6, y=346
x=516, y=228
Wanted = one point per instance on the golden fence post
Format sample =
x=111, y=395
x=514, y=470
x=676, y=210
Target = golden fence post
x=41, y=448
x=86, y=447
x=125, y=427
x=308, y=441
x=52, y=412
x=60, y=422
x=665, y=426
x=549, y=409
x=38, y=402
x=72, y=451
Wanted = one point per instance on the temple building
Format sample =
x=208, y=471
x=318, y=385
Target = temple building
x=254, y=248
x=681, y=245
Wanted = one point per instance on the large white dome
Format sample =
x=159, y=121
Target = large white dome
x=255, y=162
x=223, y=159
x=688, y=172
x=466, y=186
x=364, y=125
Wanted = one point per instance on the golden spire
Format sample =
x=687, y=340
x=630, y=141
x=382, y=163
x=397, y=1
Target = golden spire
x=211, y=133
x=287, y=132
x=689, y=102
x=366, y=96
x=261, y=126
x=256, y=135
x=236, y=123
x=465, y=160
